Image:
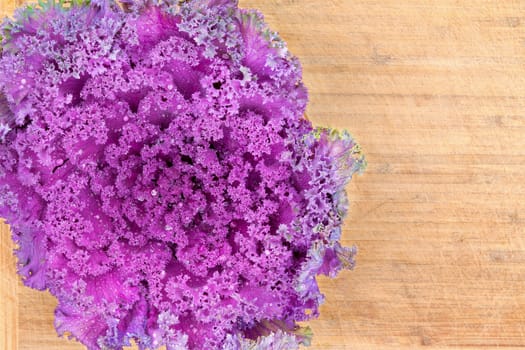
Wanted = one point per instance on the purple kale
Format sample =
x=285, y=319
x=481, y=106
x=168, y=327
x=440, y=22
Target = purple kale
x=160, y=178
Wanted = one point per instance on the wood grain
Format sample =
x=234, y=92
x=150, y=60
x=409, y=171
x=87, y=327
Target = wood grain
x=435, y=93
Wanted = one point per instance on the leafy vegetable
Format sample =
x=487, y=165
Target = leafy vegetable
x=159, y=176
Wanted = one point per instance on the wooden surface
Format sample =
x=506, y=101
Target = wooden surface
x=435, y=93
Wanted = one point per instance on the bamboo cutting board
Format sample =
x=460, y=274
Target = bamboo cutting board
x=435, y=93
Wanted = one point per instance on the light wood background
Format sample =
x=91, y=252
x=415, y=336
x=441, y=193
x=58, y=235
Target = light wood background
x=435, y=93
